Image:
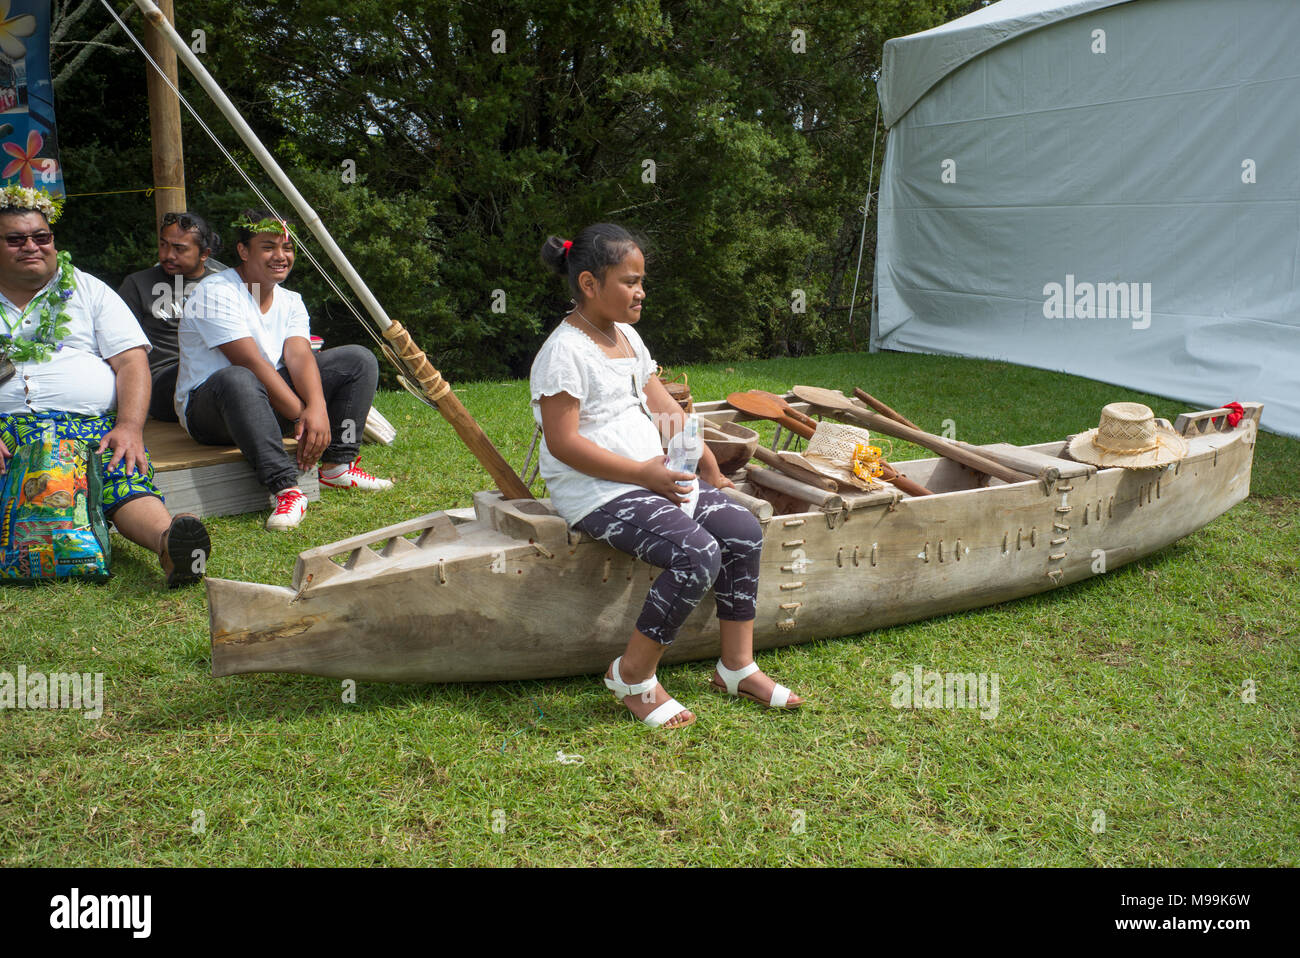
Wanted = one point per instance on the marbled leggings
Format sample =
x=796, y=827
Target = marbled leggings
x=718, y=549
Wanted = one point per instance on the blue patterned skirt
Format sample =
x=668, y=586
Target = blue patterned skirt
x=119, y=485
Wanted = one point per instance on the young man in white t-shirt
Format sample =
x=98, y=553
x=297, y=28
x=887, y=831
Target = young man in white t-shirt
x=248, y=375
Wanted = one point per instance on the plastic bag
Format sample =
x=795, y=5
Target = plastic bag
x=52, y=522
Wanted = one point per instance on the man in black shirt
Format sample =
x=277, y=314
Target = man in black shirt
x=157, y=296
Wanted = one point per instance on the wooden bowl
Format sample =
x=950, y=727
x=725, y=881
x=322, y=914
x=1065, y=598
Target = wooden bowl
x=732, y=444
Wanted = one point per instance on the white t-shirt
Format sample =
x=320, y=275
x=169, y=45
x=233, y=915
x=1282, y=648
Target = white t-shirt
x=76, y=378
x=221, y=310
x=612, y=412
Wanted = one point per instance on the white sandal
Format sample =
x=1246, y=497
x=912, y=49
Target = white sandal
x=780, y=694
x=659, y=716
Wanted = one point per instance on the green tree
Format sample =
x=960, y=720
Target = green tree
x=734, y=134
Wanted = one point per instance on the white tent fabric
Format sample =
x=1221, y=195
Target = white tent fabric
x=1104, y=187
x=914, y=63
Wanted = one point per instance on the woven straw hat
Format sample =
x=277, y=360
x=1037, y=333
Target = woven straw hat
x=830, y=453
x=1129, y=437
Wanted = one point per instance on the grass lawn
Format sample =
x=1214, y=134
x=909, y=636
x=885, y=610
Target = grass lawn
x=1121, y=700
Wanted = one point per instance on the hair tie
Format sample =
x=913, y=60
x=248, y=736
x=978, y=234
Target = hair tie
x=567, y=245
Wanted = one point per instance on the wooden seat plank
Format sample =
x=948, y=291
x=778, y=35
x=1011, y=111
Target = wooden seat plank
x=170, y=447
x=210, y=480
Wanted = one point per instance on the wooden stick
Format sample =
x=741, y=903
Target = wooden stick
x=761, y=508
x=892, y=476
x=1014, y=463
x=884, y=410
x=795, y=471
x=793, y=487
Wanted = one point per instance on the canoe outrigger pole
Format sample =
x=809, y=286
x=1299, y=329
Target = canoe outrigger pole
x=399, y=348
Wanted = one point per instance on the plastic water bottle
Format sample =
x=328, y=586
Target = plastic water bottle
x=684, y=451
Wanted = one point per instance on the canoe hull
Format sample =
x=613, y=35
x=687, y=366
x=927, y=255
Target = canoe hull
x=514, y=595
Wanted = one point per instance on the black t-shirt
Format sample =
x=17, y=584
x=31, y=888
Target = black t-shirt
x=151, y=294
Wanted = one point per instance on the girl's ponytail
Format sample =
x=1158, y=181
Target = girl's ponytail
x=595, y=250
x=555, y=255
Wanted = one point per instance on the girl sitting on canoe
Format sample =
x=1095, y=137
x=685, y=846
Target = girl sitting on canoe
x=597, y=399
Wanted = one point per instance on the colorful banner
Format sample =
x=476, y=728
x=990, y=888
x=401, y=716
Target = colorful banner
x=27, y=133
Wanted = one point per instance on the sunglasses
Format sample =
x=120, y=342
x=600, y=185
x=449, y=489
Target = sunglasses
x=19, y=240
x=184, y=220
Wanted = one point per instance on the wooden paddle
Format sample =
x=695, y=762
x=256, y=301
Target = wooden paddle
x=890, y=474
x=836, y=401
x=756, y=404
x=763, y=408
x=786, y=408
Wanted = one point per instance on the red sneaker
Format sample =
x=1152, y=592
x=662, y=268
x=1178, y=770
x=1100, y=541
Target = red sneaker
x=350, y=476
x=289, y=507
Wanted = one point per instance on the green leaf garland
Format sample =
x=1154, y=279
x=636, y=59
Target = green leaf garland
x=53, y=325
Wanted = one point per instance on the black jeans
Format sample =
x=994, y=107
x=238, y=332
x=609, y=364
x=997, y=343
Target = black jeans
x=162, y=401
x=231, y=406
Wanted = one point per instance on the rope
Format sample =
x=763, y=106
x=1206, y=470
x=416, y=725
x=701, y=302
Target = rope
x=150, y=191
x=240, y=170
x=866, y=207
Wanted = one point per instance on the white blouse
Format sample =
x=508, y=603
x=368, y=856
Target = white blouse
x=612, y=412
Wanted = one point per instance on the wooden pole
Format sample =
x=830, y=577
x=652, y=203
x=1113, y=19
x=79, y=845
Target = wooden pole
x=884, y=410
x=795, y=471
x=779, y=482
x=415, y=364
x=165, y=123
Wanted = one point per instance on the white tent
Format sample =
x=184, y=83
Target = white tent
x=1104, y=187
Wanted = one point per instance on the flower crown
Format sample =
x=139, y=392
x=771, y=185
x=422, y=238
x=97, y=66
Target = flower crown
x=15, y=197
x=268, y=225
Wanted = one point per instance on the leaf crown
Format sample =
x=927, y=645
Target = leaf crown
x=268, y=225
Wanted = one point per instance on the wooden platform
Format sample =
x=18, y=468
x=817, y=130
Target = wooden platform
x=209, y=480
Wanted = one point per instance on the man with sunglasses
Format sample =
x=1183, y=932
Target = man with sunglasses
x=80, y=361
x=157, y=297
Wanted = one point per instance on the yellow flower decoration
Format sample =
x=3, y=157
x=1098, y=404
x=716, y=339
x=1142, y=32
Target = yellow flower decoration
x=12, y=30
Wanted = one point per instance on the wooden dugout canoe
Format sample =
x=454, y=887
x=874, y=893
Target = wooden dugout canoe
x=512, y=594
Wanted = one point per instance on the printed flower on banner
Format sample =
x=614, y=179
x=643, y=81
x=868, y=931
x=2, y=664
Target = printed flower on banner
x=12, y=30
x=26, y=163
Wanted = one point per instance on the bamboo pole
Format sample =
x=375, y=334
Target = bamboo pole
x=415, y=363
x=165, y=124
